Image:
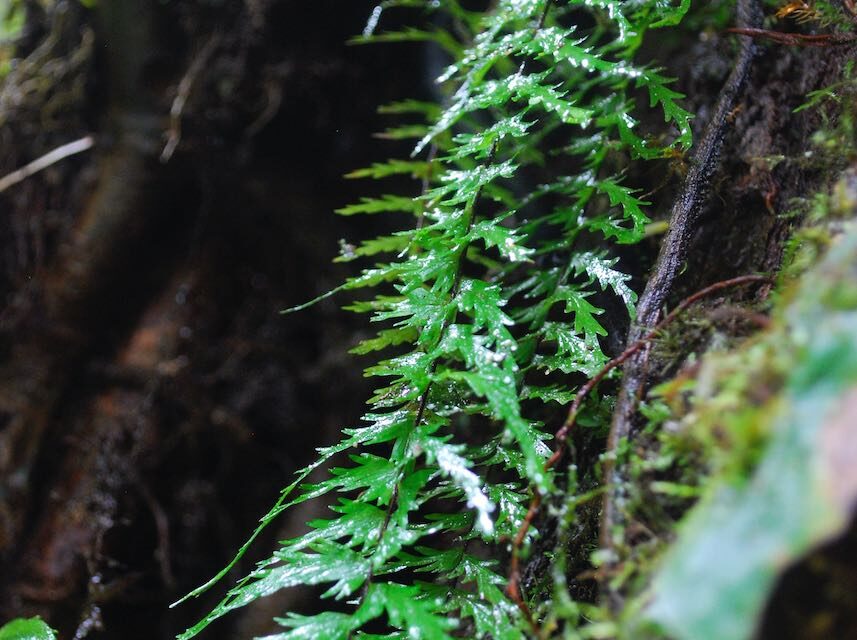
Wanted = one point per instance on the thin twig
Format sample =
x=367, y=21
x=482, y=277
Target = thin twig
x=162, y=526
x=45, y=161
x=670, y=261
x=561, y=436
x=798, y=39
x=183, y=90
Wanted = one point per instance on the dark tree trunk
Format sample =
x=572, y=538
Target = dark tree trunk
x=153, y=400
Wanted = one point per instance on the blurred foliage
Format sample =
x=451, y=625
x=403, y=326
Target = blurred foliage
x=775, y=418
x=11, y=23
x=762, y=431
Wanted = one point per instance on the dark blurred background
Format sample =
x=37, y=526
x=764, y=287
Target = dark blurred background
x=153, y=401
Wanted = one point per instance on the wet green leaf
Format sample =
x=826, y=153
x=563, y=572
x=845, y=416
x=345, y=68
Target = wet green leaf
x=413, y=168
x=601, y=270
x=584, y=313
x=334, y=626
x=450, y=463
x=410, y=610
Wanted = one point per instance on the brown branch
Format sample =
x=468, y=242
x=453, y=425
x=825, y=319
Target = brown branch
x=183, y=92
x=43, y=162
x=683, y=218
x=671, y=260
x=797, y=39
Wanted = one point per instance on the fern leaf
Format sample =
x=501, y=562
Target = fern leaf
x=458, y=469
x=331, y=625
x=667, y=99
x=386, y=338
x=346, y=568
x=413, y=168
x=410, y=610
x=601, y=269
x=384, y=204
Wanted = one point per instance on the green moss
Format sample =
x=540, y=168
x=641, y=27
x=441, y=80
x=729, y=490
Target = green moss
x=779, y=397
x=751, y=430
x=732, y=476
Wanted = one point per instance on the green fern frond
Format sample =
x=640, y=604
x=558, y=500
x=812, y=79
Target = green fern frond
x=490, y=286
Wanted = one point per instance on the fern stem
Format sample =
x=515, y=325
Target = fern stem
x=426, y=182
x=423, y=403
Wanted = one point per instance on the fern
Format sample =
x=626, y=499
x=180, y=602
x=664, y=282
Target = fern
x=489, y=287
